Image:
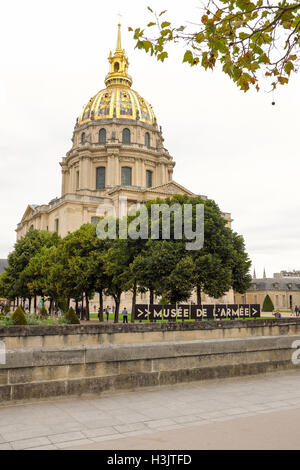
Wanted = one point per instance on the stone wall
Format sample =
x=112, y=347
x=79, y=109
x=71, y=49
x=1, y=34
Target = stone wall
x=52, y=361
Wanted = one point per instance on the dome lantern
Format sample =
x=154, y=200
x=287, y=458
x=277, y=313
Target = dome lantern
x=118, y=66
x=118, y=100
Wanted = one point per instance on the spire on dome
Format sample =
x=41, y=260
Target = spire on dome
x=119, y=43
x=118, y=66
x=254, y=274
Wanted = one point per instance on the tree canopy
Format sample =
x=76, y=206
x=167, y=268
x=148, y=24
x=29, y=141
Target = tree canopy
x=250, y=40
x=81, y=264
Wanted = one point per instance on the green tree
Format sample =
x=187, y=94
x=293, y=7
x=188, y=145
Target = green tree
x=18, y=283
x=246, y=38
x=167, y=267
x=268, y=305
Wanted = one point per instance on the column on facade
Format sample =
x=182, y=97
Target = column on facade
x=143, y=173
x=84, y=172
x=117, y=170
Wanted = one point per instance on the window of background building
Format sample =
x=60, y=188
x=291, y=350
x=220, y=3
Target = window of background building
x=255, y=299
x=147, y=139
x=126, y=176
x=100, y=177
x=277, y=300
x=77, y=179
x=283, y=300
x=148, y=178
x=102, y=136
x=56, y=225
x=126, y=136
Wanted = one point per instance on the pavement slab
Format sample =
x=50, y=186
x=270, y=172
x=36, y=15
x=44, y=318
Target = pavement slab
x=163, y=416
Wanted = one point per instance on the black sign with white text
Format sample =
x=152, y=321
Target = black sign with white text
x=196, y=312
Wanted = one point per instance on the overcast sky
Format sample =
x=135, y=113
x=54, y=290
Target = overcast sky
x=236, y=148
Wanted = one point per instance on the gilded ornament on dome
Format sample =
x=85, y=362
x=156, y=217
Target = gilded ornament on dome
x=125, y=103
x=104, y=105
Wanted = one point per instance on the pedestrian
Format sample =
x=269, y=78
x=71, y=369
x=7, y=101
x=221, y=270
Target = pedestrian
x=107, y=312
x=296, y=310
x=277, y=314
x=125, y=315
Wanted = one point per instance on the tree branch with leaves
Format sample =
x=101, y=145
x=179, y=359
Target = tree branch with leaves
x=250, y=40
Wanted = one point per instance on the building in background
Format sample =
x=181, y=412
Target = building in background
x=283, y=289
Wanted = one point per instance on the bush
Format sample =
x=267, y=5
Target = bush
x=71, y=317
x=43, y=313
x=268, y=305
x=18, y=317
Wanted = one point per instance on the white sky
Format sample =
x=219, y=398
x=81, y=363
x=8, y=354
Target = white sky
x=236, y=148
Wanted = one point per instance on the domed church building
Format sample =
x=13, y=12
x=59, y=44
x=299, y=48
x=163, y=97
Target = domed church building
x=118, y=150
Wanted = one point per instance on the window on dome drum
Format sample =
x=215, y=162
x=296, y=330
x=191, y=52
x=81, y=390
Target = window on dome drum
x=126, y=176
x=83, y=137
x=102, y=136
x=100, y=177
x=147, y=139
x=126, y=136
x=148, y=178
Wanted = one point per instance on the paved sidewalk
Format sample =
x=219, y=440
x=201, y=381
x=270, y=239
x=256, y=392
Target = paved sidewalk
x=224, y=408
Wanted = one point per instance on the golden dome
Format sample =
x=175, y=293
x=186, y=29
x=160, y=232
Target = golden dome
x=117, y=100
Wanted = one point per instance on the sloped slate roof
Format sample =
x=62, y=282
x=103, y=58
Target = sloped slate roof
x=291, y=283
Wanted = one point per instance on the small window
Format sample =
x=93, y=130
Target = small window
x=126, y=176
x=147, y=139
x=148, y=178
x=126, y=136
x=102, y=136
x=83, y=138
x=77, y=179
x=56, y=225
x=116, y=67
x=100, y=177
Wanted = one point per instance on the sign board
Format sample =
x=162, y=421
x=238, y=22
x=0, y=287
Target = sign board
x=196, y=312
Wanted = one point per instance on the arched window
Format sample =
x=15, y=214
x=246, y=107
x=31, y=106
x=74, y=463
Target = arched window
x=148, y=178
x=147, y=139
x=83, y=137
x=126, y=176
x=126, y=136
x=100, y=177
x=116, y=67
x=102, y=136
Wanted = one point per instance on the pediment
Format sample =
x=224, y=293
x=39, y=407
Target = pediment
x=170, y=188
x=28, y=213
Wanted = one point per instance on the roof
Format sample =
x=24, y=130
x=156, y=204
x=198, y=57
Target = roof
x=275, y=283
x=3, y=265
